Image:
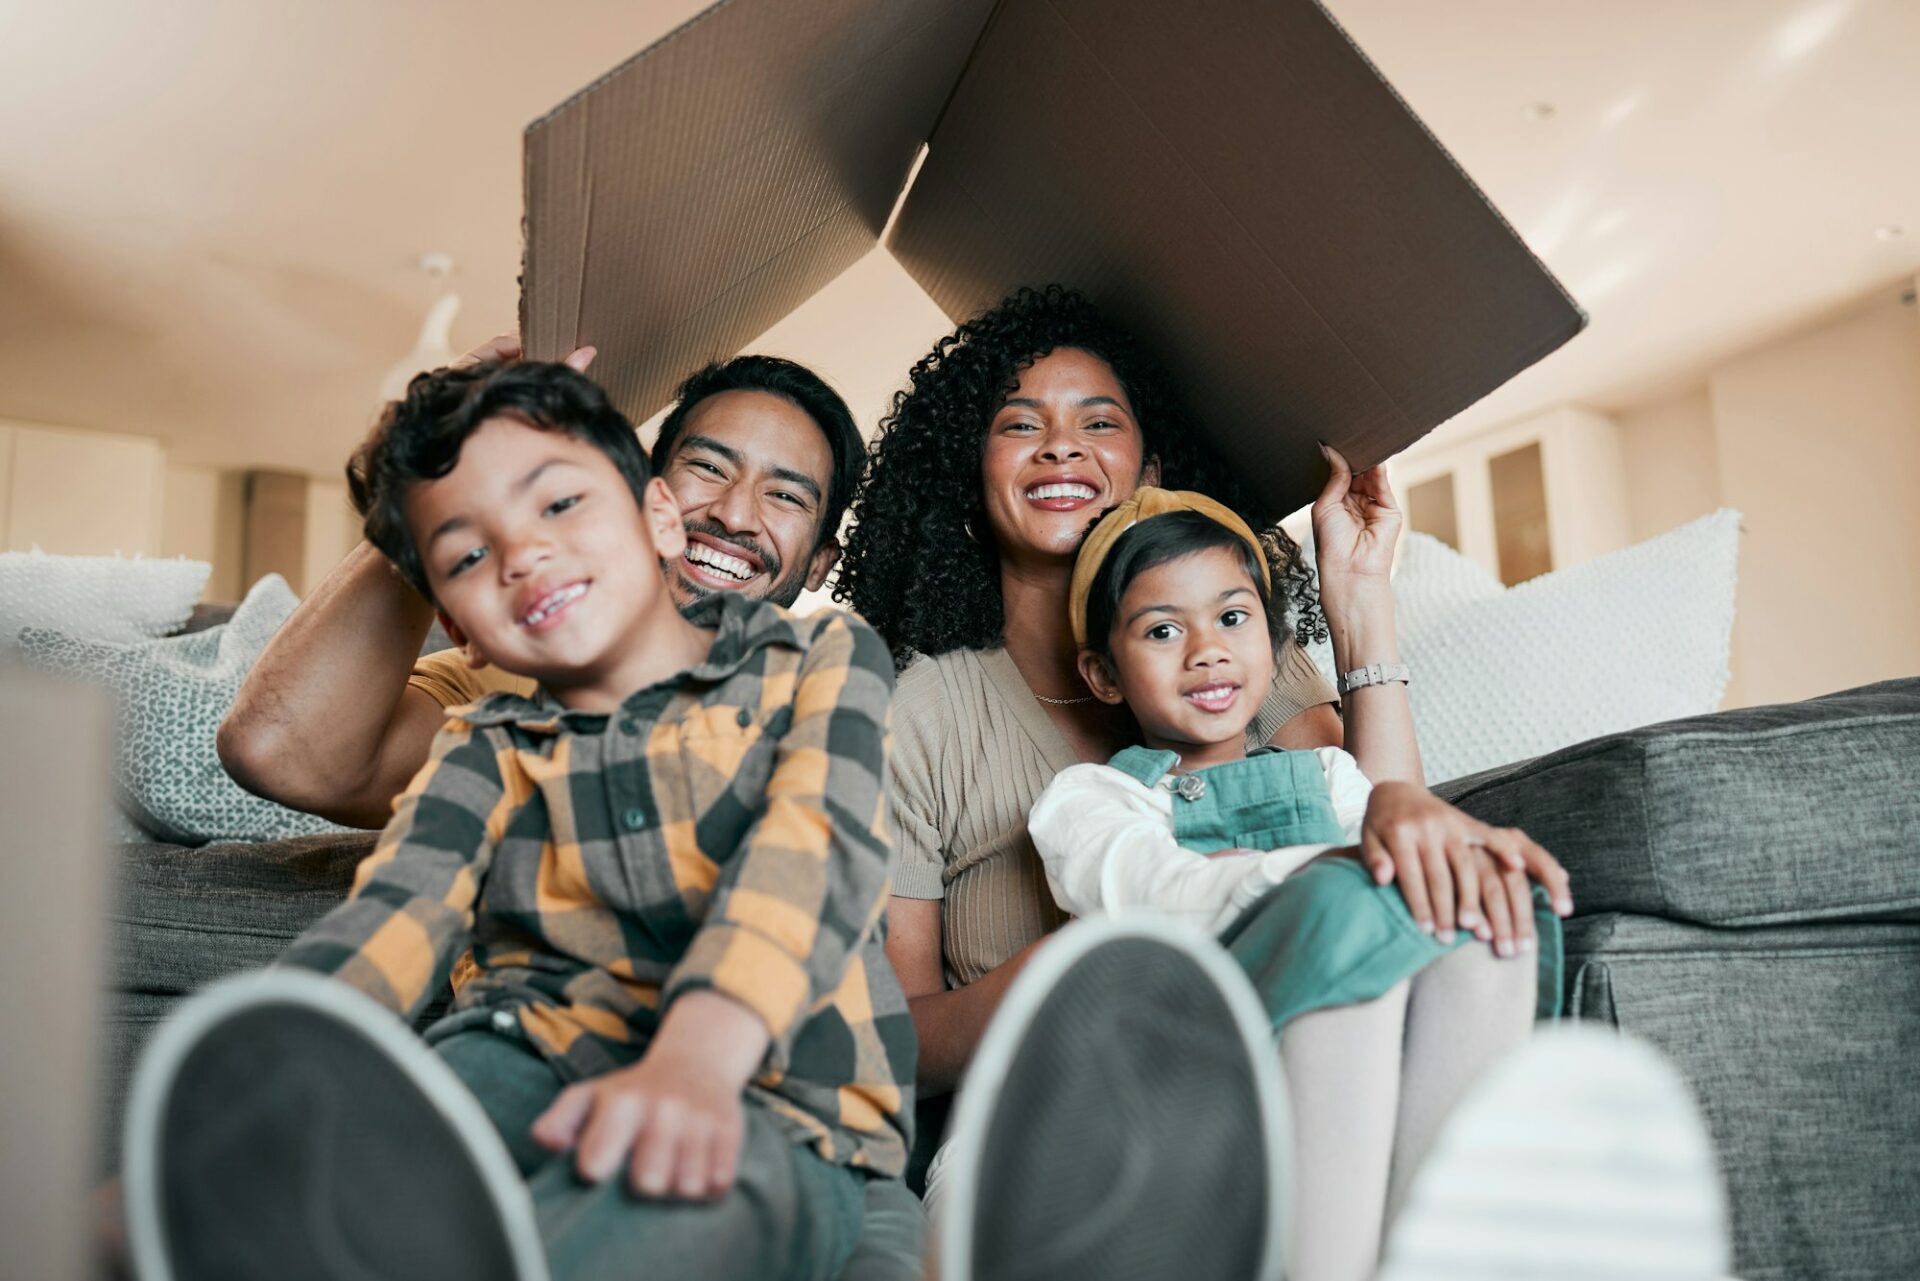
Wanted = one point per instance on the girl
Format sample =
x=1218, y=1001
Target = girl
x=1170, y=602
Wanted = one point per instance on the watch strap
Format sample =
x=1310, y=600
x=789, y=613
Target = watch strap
x=1372, y=674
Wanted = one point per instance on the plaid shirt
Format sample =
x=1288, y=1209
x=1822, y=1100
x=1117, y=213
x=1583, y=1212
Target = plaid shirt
x=725, y=829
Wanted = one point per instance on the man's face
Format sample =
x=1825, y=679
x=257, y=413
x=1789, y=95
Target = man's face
x=750, y=471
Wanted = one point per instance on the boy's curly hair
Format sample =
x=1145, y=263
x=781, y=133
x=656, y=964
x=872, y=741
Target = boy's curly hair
x=919, y=563
x=419, y=437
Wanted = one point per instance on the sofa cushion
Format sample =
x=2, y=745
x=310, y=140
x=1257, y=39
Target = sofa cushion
x=1766, y=815
x=185, y=917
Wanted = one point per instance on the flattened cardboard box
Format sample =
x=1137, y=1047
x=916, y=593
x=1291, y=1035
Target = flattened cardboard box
x=1230, y=178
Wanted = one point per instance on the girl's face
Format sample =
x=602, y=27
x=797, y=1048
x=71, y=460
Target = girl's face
x=1063, y=448
x=1192, y=657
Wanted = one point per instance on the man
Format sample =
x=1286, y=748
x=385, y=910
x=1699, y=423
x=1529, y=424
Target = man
x=338, y=714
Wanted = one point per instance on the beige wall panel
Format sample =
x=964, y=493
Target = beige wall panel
x=202, y=517
x=76, y=493
x=1818, y=437
x=276, y=528
x=1581, y=464
x=332, y=529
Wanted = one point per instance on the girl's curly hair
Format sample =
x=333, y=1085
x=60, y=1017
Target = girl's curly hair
x=919, y=564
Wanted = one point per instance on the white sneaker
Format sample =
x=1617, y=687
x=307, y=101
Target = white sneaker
x=284, y=1125
x=1582, y=1157
x=1124, y=1119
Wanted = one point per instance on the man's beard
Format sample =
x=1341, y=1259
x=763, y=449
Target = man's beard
x=780, y=593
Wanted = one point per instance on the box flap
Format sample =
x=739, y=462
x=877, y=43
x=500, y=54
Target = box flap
x=693, y=196
x=1233, y=180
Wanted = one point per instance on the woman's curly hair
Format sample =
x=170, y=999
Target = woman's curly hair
x=919, y=563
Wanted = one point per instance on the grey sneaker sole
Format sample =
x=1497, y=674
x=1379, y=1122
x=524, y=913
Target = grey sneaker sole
x=283, y=1125
x=1124, y=1119
x=1580, y=1158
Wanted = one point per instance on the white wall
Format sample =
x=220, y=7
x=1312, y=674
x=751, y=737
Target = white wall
x=1818, y=440
x=1672, y=462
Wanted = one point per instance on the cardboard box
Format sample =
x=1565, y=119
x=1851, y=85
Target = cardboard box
x=1230, y=178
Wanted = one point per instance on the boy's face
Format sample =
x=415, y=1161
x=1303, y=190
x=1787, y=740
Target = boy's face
x=1192, y=657
x=539, y=558
x=750, y=471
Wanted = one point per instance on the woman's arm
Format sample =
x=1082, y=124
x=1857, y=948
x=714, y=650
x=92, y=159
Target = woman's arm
x=948, y=1023
x=1355, y=526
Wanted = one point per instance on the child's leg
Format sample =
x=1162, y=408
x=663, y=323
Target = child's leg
x=1467, y=1011
x=512, y=1082
x=1343, y=1070
x=789, y=1215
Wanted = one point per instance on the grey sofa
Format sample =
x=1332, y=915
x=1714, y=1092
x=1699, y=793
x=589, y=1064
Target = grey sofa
x=1748, y=900
x=1748, y=890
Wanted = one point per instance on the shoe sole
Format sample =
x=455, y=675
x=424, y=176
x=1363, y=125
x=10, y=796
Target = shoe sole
x=1124, y=1119
x=1580, y=1158
x=283, y=1124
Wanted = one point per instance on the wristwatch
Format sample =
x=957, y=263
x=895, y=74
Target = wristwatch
x=1372, y=674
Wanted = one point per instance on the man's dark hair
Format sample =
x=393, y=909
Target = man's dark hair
x=420, y=436
x=799, y=386
x=1169, y=537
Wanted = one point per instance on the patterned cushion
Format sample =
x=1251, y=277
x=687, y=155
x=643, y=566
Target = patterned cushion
x=171, y=695
x=1502, y=674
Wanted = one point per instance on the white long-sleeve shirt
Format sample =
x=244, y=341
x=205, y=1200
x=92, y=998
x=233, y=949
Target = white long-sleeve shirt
x=1107, y=843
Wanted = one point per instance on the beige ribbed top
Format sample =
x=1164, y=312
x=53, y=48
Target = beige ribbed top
x=972, y=751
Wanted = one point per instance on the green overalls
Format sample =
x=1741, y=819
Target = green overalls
x=1327, y=935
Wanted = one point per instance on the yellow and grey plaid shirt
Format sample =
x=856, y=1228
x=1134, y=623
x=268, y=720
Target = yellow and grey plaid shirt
x=725, y=829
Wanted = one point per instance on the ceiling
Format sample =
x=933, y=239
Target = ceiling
x=211, y=211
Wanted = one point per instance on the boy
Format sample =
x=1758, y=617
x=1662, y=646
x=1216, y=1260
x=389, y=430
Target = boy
x=670, y=864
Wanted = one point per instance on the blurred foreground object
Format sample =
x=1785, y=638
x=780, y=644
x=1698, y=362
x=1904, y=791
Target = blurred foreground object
x=53, y=801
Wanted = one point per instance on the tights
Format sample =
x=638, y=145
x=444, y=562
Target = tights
x=1370, y=1085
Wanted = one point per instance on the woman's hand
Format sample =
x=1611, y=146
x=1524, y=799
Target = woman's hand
x=1355, y=525
x=1452, y=868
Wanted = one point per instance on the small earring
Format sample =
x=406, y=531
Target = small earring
x=966, y=527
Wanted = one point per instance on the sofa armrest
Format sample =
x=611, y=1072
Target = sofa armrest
x=1761, y=816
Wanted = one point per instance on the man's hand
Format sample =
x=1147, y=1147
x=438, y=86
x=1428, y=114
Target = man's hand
x=1449, y=864
x=674, y=1119
x=506, y=348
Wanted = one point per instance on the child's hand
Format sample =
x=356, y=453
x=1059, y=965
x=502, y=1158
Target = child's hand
x=674, y=1118
x=677, y=1131
x=1443, y=858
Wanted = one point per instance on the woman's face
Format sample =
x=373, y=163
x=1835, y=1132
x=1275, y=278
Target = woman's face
x=1063, y=448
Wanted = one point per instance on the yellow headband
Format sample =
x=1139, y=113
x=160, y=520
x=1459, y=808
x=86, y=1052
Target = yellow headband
x=1146, y=503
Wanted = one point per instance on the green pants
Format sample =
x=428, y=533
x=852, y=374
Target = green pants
x=1328, y=936
x=790, y=1214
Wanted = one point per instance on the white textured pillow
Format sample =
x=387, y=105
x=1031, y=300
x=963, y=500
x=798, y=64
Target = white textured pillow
x=170, y=695
x=104, y=598
x=1501, y=675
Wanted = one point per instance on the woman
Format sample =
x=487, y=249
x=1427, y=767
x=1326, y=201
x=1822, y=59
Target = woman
x=1018, y=430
